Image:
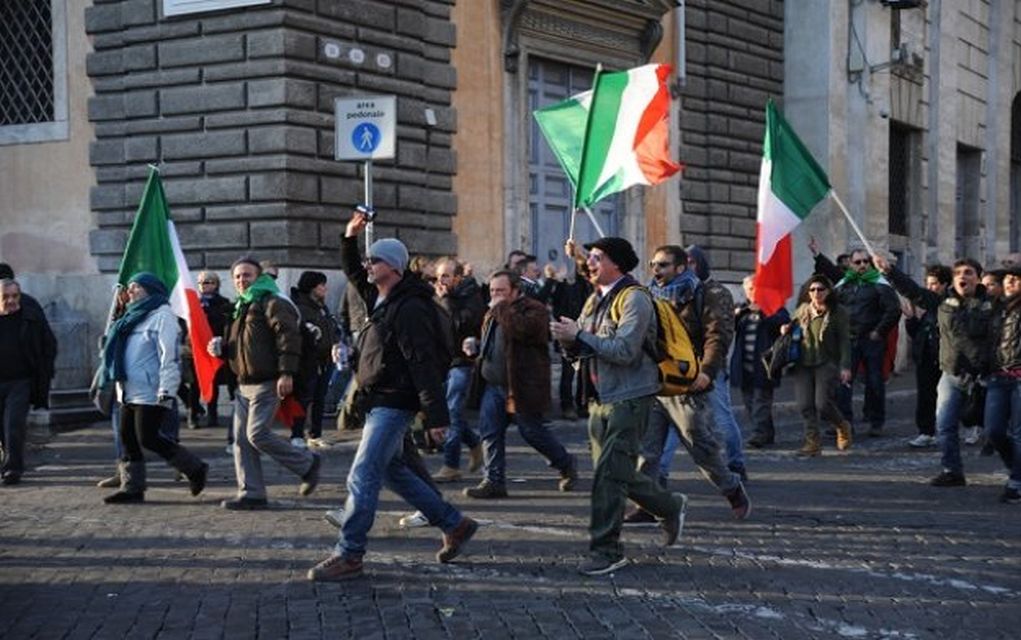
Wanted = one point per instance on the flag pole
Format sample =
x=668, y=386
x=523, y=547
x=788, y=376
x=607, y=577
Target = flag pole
x=854, y=225
x=595, y=224
x=574, y=213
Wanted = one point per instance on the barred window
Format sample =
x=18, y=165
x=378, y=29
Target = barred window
x=33, y=50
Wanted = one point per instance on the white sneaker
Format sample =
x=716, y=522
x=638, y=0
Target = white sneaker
x=921, y=441
x=299, y=443
x=335, y=516
x=230, y=449
x=318, y=443
x=413, y=520
x=972, y=435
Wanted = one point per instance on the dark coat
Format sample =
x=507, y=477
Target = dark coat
x=524, y=324
x=360, y=294
x=1007, y=355
x=766, y=333
x=39, y=346
x=264, y=342
x=315, y=313
x=871, y=307
x=466, y=309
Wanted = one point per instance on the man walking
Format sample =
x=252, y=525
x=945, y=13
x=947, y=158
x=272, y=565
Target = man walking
x=512, y=378
x=400, y=372
x=27, y=352
x=615, y=355
x=263, y=348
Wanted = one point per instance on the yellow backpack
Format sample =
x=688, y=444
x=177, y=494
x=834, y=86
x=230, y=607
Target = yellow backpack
x=675, y=353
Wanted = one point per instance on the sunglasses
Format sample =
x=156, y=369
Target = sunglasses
x=597, y=257
x=207, y=281
x=373, y=260
x=662, y=265
x=860, y=261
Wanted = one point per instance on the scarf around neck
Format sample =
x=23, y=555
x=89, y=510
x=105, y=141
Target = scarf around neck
x=116, y=340
x=262, y=287
x=870, y=276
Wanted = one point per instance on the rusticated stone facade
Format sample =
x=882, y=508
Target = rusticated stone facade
x=237, y=109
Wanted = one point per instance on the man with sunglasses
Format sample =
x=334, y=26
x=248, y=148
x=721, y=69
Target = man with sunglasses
x=874, y=311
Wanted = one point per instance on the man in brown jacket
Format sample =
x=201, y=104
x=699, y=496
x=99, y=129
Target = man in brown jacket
x=263, y=348
x=512, y=381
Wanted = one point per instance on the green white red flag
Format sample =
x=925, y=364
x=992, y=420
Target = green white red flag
x=614, y=136
x=153, y=246
x=791, y=183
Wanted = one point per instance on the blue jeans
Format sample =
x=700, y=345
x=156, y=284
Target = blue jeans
x=458, y=379
x=673, y=442
x=871, y=353
x=1003, y=423
x=727, y=428
x=493, y=422
x=950, y=396
x=379, y=461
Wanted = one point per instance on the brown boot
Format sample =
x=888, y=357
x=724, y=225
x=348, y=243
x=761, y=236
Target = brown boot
x=812, y=446
x=844, y=438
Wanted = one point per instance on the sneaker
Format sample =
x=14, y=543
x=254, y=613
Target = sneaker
x=475, y=458
x=455, y=541
x=299, y=443
x=948, y=479
x=601, y=565
x=972, y=435
x=1010, y=496
x=569, y=476
x=639, y=517
x=486, y=490
x=123, y=497
x=335, y=517
x=336, y=569
x=446, y=474
x=109, y=483
x=413, y=521
x=197, y=482
x=740, y=504
x=921, y=441
x=319, y=443
x=310, y=480
x=245, y=504
x=674, y=525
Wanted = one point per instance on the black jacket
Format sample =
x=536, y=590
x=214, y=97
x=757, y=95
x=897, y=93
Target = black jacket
x=315, y=313
x=466, y=309
x=360, y=294
x=766, y=333
x=966, y=333
x=39, y=346
x=1007, y=355
x=871, y=307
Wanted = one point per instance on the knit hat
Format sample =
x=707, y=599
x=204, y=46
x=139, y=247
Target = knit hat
x=619, y=250
x=310, y=280
x=6, y=273
x=149, y=282
x=391, y=251
x=697, y=254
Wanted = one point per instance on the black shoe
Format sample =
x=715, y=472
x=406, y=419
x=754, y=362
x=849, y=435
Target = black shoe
x=601, y=565
x=569, y=476
x=11, y=478
x=245, y=504
x=948, y=479
x=124, y=497
x=486, y=490
x=639, y=517
x=310, y=480
x=1010, y=496
x=197, y=482
x=876, y=431
x=674, y=525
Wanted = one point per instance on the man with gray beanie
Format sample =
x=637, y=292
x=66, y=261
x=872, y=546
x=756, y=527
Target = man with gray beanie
x=401, y=370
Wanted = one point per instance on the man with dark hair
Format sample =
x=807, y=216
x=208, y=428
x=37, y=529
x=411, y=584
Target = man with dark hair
x=966, y=346
x=319, y=336
x=263, y=348
x=512, y=378
x=1003, y=386
x=923, y=329
x=615, y=356
x=401, y=372
x=27, y=353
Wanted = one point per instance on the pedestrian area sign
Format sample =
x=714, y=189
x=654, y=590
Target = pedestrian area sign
x=366, y=127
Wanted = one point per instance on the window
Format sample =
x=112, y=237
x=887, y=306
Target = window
x=33, y=60
x=969, y=177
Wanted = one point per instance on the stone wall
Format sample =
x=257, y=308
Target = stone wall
x=735, y=63
x=237, y=107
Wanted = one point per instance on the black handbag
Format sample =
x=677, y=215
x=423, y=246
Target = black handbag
x=784, y=353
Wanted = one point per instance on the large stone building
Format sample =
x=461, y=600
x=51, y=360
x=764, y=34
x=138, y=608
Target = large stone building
x=911, y=106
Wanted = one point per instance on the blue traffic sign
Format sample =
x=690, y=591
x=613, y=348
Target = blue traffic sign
x=366, y=137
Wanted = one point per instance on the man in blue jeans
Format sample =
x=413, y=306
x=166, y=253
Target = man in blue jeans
x=1003, y=388
x=400, y=372
x=512, y=378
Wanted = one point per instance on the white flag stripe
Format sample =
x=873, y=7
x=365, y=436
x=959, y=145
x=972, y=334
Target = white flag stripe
x=776, y=220
x=178, y=298
x=642, y=86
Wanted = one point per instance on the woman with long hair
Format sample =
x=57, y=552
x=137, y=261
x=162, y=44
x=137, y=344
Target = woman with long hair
x=824, y=362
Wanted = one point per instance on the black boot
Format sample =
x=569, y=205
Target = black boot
x=192, y=467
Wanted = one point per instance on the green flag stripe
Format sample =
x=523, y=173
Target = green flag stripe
x=606, y=99
x=149, y=247
x=563, y=125
x=797, y=179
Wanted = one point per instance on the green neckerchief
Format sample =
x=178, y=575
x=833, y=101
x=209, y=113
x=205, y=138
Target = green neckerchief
x=262, y=287
x=871, y=276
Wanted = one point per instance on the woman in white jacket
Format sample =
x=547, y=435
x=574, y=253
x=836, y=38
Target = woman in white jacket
x=141, y=356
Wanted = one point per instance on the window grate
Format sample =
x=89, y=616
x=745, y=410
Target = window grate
x=26, y=62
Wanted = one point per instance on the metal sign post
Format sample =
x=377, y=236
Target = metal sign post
x=366, y=130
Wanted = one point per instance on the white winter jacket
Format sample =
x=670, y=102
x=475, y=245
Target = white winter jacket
x=152, y=359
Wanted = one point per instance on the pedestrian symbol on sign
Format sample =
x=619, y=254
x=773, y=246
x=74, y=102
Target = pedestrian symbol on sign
x=365, y=137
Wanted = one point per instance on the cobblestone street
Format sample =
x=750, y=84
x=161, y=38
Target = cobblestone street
x=851, y=545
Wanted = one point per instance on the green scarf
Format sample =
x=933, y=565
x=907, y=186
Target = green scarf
x=870, y=276
x=262, y=287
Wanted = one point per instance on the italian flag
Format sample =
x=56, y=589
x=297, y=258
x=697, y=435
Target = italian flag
x=153, y=246
x=614, y=136
x=791, y=183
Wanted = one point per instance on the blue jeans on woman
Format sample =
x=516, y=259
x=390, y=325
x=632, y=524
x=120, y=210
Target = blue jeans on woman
x=458, y=380
x=1003, y=423
x=378, y=462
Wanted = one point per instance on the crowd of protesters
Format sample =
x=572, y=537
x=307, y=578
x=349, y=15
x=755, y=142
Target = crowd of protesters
x=419, y=343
